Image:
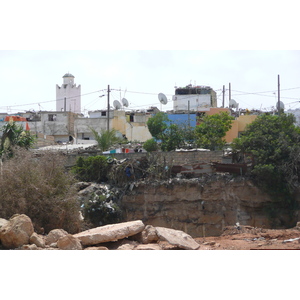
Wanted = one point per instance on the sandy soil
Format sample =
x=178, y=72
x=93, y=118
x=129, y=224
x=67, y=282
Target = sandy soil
x=252, y=238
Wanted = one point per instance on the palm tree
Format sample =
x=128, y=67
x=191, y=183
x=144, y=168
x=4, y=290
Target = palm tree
x=106, y=138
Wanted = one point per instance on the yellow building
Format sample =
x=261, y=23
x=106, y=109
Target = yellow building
x=238, y=125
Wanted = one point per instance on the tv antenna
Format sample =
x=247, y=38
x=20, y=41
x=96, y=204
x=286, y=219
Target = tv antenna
x=117, y=105
x=162, y=98
x=233, y=104
x=125, y=102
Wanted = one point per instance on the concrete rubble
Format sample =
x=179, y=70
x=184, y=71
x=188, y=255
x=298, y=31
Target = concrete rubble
x=18, y=233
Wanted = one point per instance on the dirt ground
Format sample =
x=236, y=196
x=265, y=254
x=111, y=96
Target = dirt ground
x=252, y=238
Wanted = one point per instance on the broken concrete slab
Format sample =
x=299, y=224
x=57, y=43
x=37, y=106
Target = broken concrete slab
x=177, y=238
x=109, y=233
x=150, y=246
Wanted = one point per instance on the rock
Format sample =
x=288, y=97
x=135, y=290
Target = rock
x=29, y=247
x=211, y=243
x=16, y=232
x=177, y=238
x=96, y=248
x=147, y=236
x=69, y=242
x=148, y=247
x=109, y=233
x=54, y=235
x=53, y=245
x=3, y=222
x=126, y=244
x=38, y=240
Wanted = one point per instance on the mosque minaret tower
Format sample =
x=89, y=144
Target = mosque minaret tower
x=68, y=95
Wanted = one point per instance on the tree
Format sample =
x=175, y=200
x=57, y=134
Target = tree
x=274, y=142
x=14, y=135
x=150, y=145
x=169, y=134
x=157, y=125
x=106, y=138
x=211, y=132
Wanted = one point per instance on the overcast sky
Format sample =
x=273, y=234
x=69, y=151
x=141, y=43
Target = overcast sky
x=29, y=77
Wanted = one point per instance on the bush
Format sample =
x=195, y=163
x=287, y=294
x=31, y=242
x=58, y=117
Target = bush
x=150, y=145
x=91, y=169
x=40, y=188
x=101, y=209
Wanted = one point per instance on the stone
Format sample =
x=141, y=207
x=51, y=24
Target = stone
x=177, y=238
x=54, y=235
x=69, y=242
x=37, y=240
x=147, y=236
x=29, y=247
x=109, y=233
x=148, y=247
x=16, y=232
x=3, y=222
x=96, y=248
x=125, y=244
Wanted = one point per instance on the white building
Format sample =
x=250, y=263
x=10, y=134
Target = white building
x=194, y=98
x=68, y=95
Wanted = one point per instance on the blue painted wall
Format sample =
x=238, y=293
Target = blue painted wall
x=183, y=119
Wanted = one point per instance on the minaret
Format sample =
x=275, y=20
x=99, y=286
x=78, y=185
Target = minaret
x=68, y=95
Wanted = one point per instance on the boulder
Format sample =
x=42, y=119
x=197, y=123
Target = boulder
x=109, y=233
x=3, y=222
x=37, y=240
x=147, y=236
x=54, y=235
x=177, y=238
x=29, y=247
x=96, y=248
x=16, y=232
x=148, y=247
x=69, y=242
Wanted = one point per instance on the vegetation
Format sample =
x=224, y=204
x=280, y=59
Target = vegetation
x=171, y=136
x=106, y=138
x=101, y=210
x=91, y=169
x=14, y=135
x=274, y=142
x=211, y=132
x=40, y=188
x=150, y=145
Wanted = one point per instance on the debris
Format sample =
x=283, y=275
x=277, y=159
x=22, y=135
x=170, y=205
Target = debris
x=291, y=240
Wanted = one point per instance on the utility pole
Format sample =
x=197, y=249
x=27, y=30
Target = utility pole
x=278, y=104
x=229, y=91
x=108, y=105
x=189, y=119
x=223, y=102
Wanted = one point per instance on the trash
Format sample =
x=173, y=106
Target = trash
x=291, y=240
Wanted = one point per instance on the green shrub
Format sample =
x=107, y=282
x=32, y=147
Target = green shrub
x=41, y=188
x=150, y=145
x=101, y=210
x=92, y=169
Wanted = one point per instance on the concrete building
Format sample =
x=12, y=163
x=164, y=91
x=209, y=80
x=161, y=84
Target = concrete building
x=194, y=98
x=68, y=95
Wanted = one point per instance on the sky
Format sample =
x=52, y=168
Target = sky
x=143, y=50
x=29, y=77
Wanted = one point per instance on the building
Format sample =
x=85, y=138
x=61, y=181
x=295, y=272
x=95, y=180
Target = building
x=68, y=95
x=194, y=98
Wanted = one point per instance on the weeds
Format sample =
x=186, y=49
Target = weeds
x=41, y=188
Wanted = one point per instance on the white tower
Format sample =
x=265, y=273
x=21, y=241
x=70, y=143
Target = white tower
x=68, y=95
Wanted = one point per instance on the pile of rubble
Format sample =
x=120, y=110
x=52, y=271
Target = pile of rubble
x=18, y=233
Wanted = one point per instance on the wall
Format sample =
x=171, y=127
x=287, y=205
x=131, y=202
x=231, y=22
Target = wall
x=202, y=206
x=173, y=158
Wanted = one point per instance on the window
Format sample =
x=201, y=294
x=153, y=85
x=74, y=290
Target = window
x=103, y=113
x=51, y=117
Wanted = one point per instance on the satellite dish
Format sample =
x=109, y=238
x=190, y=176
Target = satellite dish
x=125, y=102
x=281, y=105
x=117, y=104
x=162, y=98
x=233, y=104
